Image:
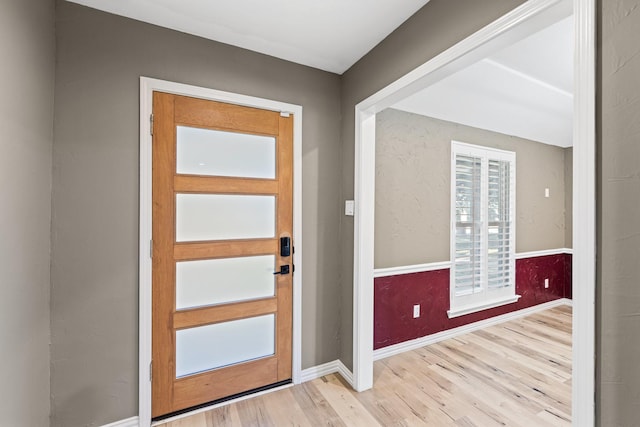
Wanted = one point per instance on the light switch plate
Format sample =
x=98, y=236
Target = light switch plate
x=349, y=207
x=416, y=311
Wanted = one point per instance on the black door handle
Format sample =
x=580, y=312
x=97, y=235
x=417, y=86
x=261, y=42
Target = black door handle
x=284, y=269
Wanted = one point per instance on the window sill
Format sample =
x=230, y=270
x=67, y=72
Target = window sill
x=461, y=311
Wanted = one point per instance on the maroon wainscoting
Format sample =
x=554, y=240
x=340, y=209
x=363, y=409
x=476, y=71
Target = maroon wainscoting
x=395, y=297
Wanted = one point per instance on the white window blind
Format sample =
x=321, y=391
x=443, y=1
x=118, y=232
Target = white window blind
x=468, y=230
x=483, y=228
x=499, y=225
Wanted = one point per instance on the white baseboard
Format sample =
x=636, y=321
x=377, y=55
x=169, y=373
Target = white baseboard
x=318, y=371
x=451, y=333
x=129, y=422
x=333, y=367
x=345, y=373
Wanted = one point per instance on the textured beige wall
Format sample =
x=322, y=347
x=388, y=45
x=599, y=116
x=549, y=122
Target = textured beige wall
x=618, y=283
x=437, y=26
x=95, y=196
x=413, y=188
x=27, y=49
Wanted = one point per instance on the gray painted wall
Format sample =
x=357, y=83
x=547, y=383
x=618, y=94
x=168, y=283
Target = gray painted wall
x=94, y=273
x=618, y=290
x=95, y=196
x=27, y=53
x=413, y=188
x=437, y=26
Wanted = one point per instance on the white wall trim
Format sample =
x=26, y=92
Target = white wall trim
x=363, y=255
x=524, y=20
x=443, y=265
x=546, y=252
x=584, y=213
x=147, y=86
x=345, y=373
x=408, y=269
x=333, y=367
x=129, y=422
x=318, y=371
x=402, y=347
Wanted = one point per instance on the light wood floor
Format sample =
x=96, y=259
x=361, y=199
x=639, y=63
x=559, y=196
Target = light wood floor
x=514, y=374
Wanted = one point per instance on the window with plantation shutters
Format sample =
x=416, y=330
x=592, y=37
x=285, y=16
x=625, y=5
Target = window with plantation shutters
x=482, y=228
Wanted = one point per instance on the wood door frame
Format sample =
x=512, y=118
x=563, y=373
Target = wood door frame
x=500, y=32
x=147, y=87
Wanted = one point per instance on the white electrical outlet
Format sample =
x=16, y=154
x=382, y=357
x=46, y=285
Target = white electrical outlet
x=416, y=311
x=546, y=283
x=546, y=192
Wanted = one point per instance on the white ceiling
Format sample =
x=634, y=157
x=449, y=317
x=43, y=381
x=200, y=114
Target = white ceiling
x=524, y=90
x=327, y=34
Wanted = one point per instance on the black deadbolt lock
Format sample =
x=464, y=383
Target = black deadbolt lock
x=285, y=246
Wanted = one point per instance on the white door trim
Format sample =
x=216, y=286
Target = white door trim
x=584, y=214
x=147, y=87
x=515, y=25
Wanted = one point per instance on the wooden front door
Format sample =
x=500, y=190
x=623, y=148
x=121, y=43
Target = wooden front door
x=222, y=226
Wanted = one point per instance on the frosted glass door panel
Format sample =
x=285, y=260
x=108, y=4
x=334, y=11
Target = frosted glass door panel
x=224, y=217
x=220, y=153
x=218, y=281
x=222, y=344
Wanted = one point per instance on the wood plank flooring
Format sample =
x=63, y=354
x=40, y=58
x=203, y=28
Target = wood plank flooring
x=514, y=374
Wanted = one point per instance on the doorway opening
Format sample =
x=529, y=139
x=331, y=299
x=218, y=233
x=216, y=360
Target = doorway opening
x=516, y=25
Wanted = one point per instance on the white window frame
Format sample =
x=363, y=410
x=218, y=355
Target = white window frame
x=461, y=304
